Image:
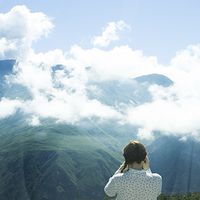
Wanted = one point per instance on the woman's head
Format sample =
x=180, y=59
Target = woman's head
x=133, y=152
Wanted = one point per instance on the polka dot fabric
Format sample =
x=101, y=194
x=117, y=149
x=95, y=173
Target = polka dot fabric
x=134, y=185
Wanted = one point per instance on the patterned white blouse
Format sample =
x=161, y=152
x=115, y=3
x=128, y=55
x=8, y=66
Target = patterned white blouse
x=134, y=185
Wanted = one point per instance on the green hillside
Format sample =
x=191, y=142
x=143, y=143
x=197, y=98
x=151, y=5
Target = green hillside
x=50, y=162
x=190, y=196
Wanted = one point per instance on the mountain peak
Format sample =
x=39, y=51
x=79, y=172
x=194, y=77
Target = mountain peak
x=157, y=79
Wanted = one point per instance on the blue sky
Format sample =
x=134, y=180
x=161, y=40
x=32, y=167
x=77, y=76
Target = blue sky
x=159, y=28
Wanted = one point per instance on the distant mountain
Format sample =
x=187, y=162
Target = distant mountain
x=157, y=79
x=178, y=162
x=6, y=67
x=52, y=161
x=57, y=161
x=134, y=91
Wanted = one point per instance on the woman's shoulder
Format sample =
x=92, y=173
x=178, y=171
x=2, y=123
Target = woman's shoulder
x=155, y=176
x=119, y=175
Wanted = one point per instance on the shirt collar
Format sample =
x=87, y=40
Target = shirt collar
x=136, y=171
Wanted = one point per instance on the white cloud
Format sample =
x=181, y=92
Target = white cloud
x=174, y=110
x=19, y=29
x=58, y=93
x=34, y=77
x=34, y=121
x=69, y=102
x=121, y=62
x=68, y=108
x=62, y=93
x=110, y=33
x=146, y=134
x=9, y=107
x=180, y=118
x=7, y=49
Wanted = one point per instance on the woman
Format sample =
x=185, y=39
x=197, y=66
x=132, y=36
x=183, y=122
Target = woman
x=134, y=179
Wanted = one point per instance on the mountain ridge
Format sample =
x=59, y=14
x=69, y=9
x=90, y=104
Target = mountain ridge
x=58, y=161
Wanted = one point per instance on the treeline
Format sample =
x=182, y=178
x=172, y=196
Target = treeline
x=189, y=196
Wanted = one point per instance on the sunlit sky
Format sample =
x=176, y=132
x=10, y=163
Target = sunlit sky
x=159, y=28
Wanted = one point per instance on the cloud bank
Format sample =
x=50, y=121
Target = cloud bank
x=19, y=29
x=60, y=91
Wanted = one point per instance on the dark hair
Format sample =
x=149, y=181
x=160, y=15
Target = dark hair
x=134, y=151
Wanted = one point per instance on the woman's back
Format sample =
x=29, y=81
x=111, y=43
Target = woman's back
x=134, y=185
